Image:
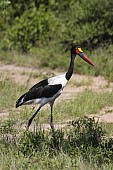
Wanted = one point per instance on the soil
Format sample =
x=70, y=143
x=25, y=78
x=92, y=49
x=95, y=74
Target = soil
x=77, y=84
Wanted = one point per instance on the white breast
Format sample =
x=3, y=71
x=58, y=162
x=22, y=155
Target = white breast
x=61, y=79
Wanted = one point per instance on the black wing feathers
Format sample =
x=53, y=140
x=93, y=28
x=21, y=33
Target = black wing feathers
x=42, y=83
x=51, y=90
x=47, y=91
x=39, y=90
x=29, y=95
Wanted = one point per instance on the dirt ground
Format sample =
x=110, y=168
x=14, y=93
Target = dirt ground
x=77, y=84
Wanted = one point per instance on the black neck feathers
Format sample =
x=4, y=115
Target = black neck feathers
x=71, y=67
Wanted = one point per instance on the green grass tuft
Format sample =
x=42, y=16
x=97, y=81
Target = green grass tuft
x=81, y=146
x=9, y=92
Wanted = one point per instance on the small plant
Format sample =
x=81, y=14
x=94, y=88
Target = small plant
x=7, y=127
x=57, y=141
x=32, y=142
x=85, y=132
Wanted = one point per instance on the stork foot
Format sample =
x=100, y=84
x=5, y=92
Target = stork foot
x=29, y=123
x=52, y=125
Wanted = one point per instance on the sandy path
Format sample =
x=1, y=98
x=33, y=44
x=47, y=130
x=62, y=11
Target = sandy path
x=77, y=84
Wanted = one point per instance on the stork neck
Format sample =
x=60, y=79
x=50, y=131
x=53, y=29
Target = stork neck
x=71, y=67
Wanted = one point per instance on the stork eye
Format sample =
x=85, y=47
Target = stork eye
x=80, y=50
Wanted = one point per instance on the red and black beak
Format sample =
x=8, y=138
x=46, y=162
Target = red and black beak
x=85, y=58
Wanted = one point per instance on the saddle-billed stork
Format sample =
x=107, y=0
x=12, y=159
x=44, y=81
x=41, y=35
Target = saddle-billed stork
x=46, y=91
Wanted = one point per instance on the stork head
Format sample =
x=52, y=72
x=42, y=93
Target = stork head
x=76, y=50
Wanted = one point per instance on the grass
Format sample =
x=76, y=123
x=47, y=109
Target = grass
x=85, y=103
x=81, y=145
x=87, y=81
x=9, y=92
x=82, y=105
x=17, y=58
x=108, y=128
x=58, y=59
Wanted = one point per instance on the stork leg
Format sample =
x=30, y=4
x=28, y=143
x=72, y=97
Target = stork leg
x=51, y=118
x=30, y=120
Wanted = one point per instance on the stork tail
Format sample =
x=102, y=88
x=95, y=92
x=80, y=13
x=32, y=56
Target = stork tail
x=20, y=101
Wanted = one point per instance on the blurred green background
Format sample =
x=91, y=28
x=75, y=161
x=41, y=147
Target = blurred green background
x=40, y=33
x=39, y=23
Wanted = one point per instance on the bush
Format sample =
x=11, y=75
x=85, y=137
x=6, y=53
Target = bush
x=84, y=138
x=37, y=23
x=85, y=132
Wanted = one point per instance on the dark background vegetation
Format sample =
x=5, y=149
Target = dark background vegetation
x=40, y=23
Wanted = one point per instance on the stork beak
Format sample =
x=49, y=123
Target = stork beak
x=85, y=58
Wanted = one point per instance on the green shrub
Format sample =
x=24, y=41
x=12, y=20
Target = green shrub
x=85, y=132
x=37, y=23
x=84, y=140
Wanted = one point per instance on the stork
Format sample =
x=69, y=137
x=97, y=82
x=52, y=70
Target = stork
x=47, y=90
